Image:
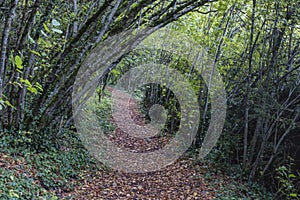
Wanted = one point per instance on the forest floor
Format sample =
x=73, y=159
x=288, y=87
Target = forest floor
x=181, y=180
x=177, y=181
x=70, y=173
x=46, y=173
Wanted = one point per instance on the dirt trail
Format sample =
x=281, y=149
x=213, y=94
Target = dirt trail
x=180, y=180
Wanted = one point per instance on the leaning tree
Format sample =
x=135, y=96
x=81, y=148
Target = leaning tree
x=43, y=44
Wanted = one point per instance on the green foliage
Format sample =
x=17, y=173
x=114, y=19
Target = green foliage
x=59, y=167
x=12, y=142
x=103, y=112
x=56, y=169
x=220, y=156
x=151, y=94
x=16, y=185
x=229, y=181
x=19, y=62
x=34, y=89
x=5, y=103
x=288, y=182
x=273, y=101
x=53, y=51
x=231, y=190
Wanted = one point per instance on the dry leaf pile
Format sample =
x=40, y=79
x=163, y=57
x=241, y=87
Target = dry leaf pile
x=180, y=180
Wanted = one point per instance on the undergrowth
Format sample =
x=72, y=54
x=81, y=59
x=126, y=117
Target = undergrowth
x=28, y=174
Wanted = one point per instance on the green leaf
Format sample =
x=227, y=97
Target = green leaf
x=32, y=89
x=18, y=62
x=12, y=193
x=293, y=195
x=18, y=84
x=292, y=176
x=54, y=198
x=9, y=104
x=39, y=86
x=26, y=81
x=35, y=52
x=115, y=72
x=47, y=44
x=55, y=22
x=57, y=30
x=46, y=28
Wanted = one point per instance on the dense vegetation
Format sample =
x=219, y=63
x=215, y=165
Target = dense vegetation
x=253, y=44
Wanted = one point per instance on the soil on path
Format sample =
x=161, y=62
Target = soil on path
x=180, y=180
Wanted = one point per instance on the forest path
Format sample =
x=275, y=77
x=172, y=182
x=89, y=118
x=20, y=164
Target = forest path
x=180, y=180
